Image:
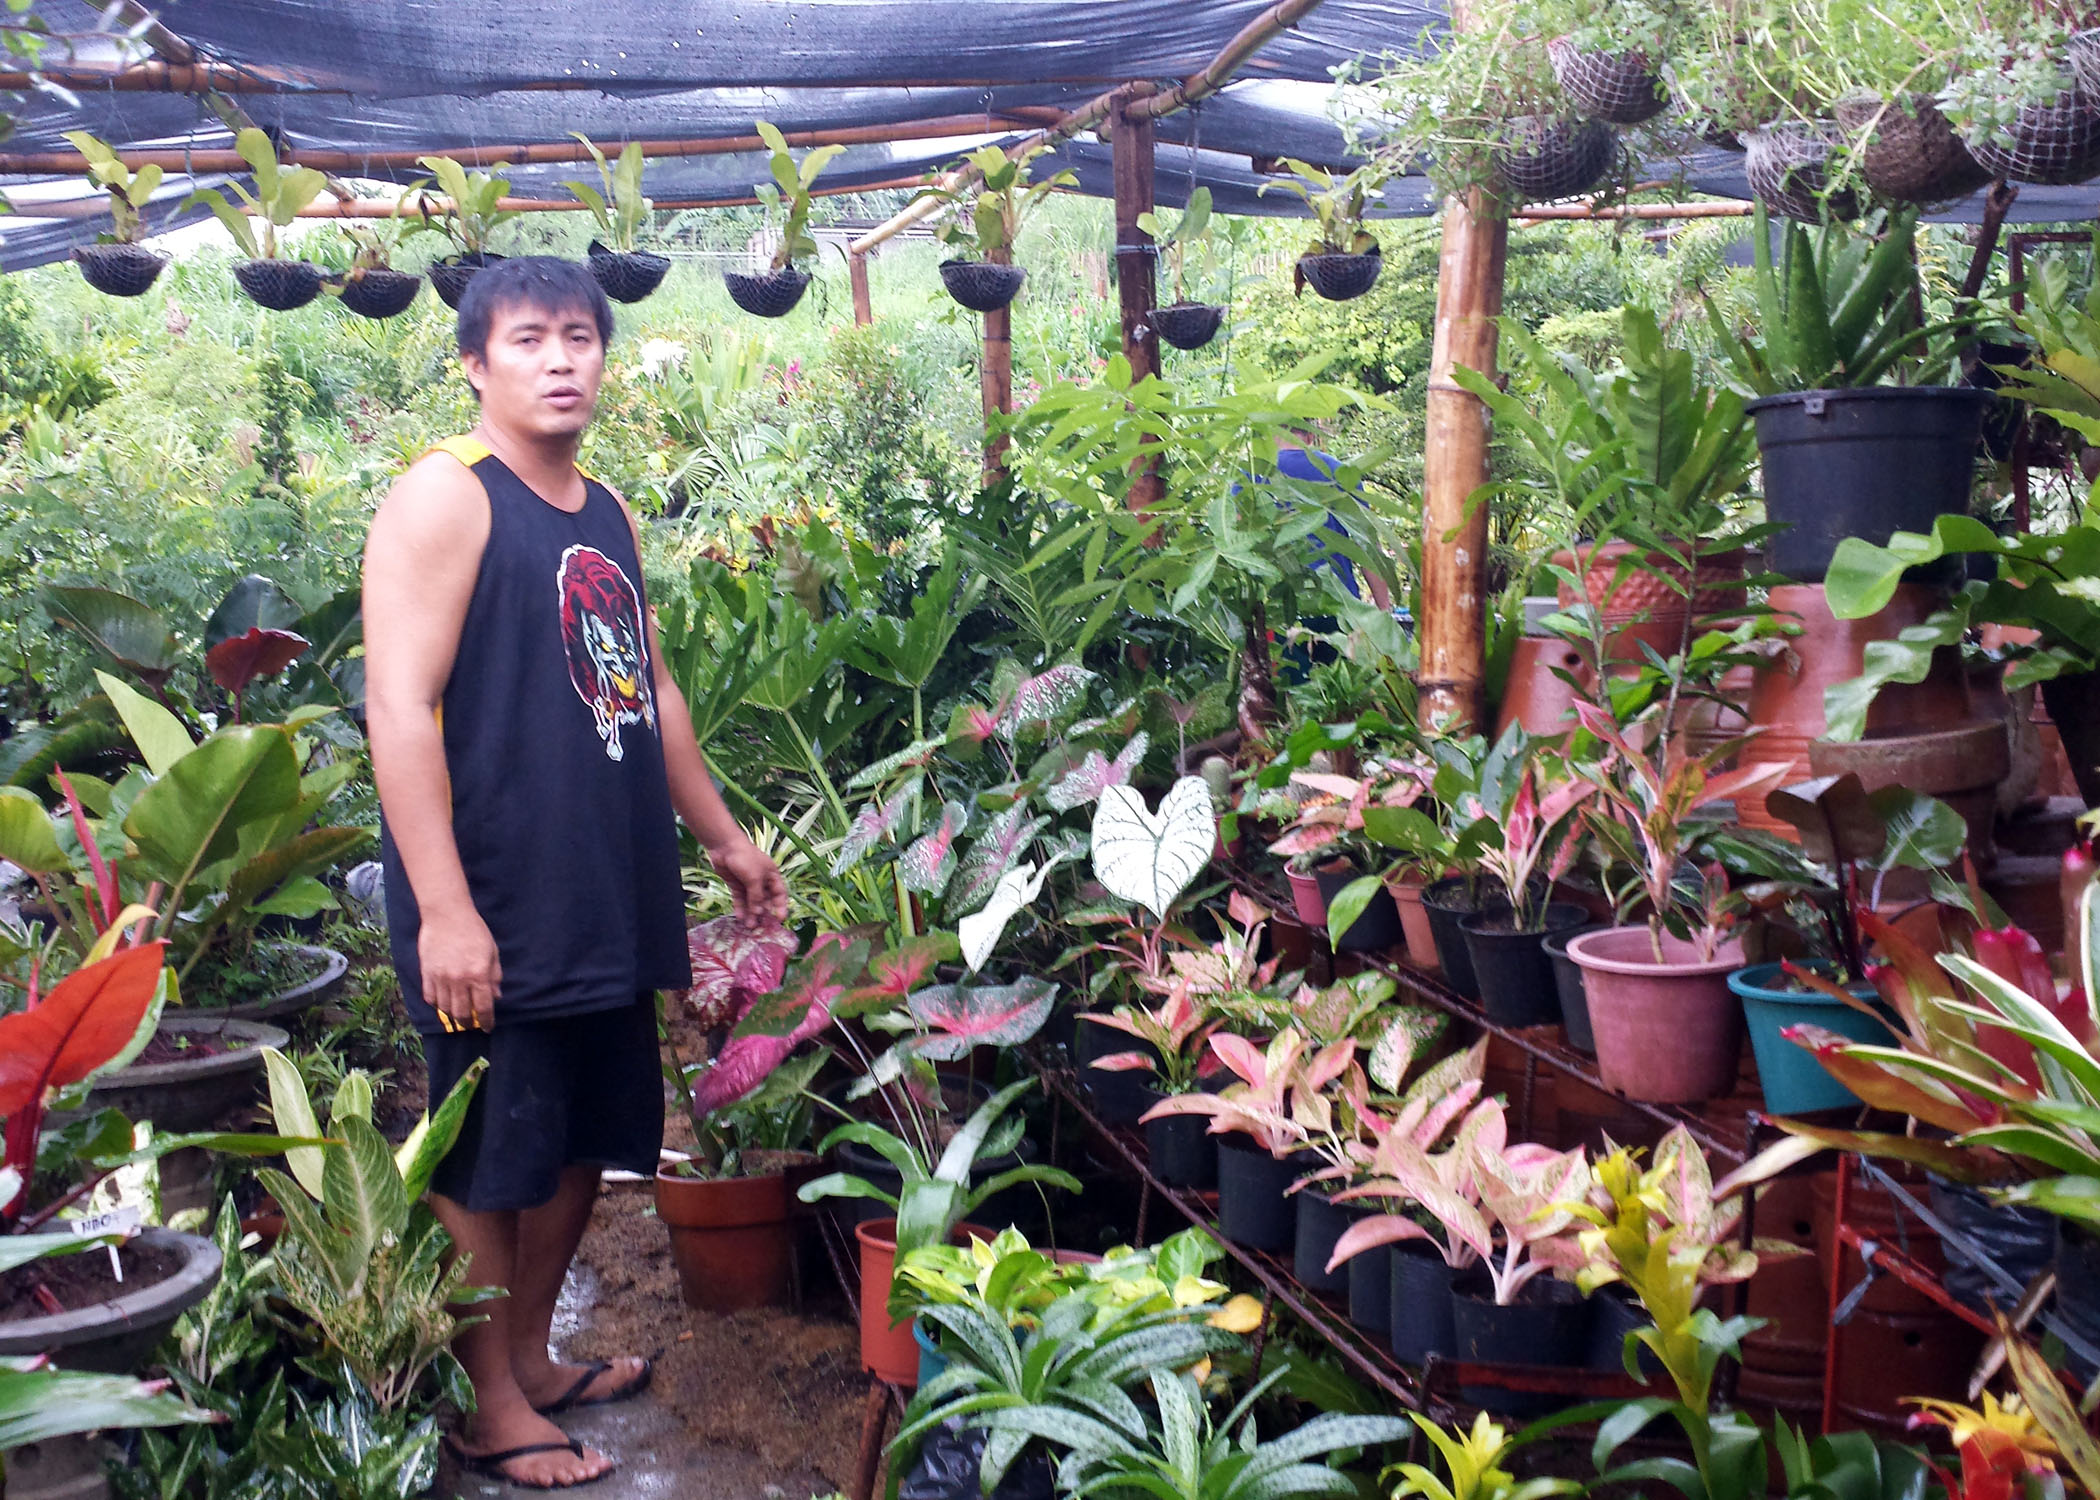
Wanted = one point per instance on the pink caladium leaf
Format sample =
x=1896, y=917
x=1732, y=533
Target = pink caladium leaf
x=965, y=1016
x=970, y=727
x=1038, y=700
x=877, y=821
x=241, y=659
x=927, y=865
x=913, y=757
x=1095, y=774
x=732, y=968
x=801, y=1007
x=894, y=973
x=996, y=851
x=744, y=1063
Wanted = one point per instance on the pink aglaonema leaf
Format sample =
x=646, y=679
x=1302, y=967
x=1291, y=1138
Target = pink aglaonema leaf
x=965, y=1016
x=894, y=973
x=1126, y=1062
x=929, y=863
x=241, y=659
x=801, y=1007
x=1040, y=699
x=995, y=852
x=877, y=821
x=732, y=968
x=1095, y=774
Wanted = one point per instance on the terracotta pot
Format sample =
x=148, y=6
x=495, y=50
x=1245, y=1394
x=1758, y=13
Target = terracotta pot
x=729, y=1239
x=1786, y=694
x=1933, y=1349
x=1307, y=904
x=887, y=1349
x=1534, y=695
x=1961, y=763
x=1645, y=605
x=1669, y=1032
x=1414, y=922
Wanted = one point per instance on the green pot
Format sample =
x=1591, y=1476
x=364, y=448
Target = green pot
x=1794, y=1082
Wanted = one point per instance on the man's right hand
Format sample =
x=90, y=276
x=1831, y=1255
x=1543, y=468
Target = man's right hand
x=461, y=969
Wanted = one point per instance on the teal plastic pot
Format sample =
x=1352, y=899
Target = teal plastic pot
x=932, y=1363
x=1794, y=1082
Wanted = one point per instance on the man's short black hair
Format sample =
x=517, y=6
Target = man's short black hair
x=545, y=283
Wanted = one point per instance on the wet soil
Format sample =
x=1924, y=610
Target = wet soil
x=168, y=1048
x=81, y=1280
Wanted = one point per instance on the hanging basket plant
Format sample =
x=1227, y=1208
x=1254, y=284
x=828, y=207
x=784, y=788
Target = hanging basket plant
x=1187, y=325
x=473, y=208
x=280, y=285
x=116, y=264
x=988, y=225
x=1543, y=159
x=1787, y=165
x=1907, y=150
x=767, y=294
x=2084, y=53
x=981, y=285
x=280, y=192
x=2023, y=102
x=627, y=275
x=2055, y=144
x=449, y=277
x=379, y=291
x=1342, y=262
x=775, y=291
x=1619, y=88
x=1341, y=277
x=625, y=272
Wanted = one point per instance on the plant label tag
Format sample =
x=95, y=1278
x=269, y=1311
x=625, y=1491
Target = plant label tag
x=123, y=1221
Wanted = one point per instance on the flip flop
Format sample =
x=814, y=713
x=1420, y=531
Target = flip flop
x=490, y=1465
x=572, y=1398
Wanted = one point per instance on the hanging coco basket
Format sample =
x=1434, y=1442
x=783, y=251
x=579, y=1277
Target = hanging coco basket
x=1340, y=278
x=1619, y=88
x=769, y=294
x=280, y=285
x=379, y=292
x=1543, y=159
x=2085, y=62
x=119, y=270
x=1187, y=325
x=1911, y=154
x=1786, y=165
x=981, y=285
x=2055, y=144
x=450, y=277
x=627, y=275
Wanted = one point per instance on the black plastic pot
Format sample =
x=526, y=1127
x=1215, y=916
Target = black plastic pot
x=1376, y=929
x=1119, y=1097
x=1419, y=1308
x=1255, y=1207
x=280, y=285
x=1865, y=463
x=1187, y=325
x=1341, y=278
x=2073, y=701
x=1321, y=1222
x=1182, y=1151
x=1371, y=1291
x=449, y=278
x=1613, y=1315
x=380, y=292
x=1548, y=1324
x=627, y=275
x=770, y=294
x=981, y=285
x=2020, y=1241
x=1448, y=902
x=1567, y=984
x=2078, y=1287
x=1515, y=976
x=119, y=270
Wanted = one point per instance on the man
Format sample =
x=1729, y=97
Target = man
x=530, y=747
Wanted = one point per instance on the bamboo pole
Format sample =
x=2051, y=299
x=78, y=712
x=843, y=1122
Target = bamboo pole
x=857, y=276
x=997, y=378
x=1729, y=208
x=201, y=75
x=387, y=208
x=1252, y=37
x=1132, y=142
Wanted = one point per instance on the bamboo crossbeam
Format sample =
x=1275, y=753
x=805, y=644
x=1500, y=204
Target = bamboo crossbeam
x=1578, y=212
x=1252, y=37
x=71, y=163
x=161, y=76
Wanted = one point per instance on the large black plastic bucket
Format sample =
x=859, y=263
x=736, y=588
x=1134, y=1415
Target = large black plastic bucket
x=1865, y=463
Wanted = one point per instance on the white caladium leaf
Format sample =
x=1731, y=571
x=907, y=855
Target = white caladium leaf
x=877, y=821
x=1149, y=857
x=1045, y=697
x=1095, y=775
x=981, y=930
x=994, y=853
x=930, y=861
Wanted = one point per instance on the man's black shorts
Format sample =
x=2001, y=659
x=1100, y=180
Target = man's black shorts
x=569, y=1091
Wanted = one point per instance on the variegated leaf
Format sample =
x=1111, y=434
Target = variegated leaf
x=1096, y=774
x=930, y=861
x=1149, y=857
x=981, y=930
x=964, y=1016
x=990, y=857
x=877, y=821
x=1412, y=1030
x=918, y=754
x=732, y=968
x=1042, y=699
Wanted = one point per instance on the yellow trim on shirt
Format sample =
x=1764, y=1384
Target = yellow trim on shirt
x=468, y=450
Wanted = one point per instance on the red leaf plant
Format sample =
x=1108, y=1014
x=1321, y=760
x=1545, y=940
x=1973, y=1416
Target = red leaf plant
x=959, y=1016
x=732, y=967
x=239, y=660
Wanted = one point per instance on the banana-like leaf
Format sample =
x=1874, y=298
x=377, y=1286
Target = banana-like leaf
x=38, y=1403
x=26, y=836
x=192, y=815
x=120, y=627
x=160, y=736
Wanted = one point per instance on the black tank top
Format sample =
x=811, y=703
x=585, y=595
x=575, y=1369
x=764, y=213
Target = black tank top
x=560, y=805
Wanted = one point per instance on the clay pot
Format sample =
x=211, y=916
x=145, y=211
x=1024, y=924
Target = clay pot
x=1669, y=1032
x=887, y=1349
x=1534, y=694
x=1788, y=1292
x=1961, y=765
x=729, y=1239
x=1307, y=904
x=1414, y=922
x=1933, y=1349
x=1645, y=605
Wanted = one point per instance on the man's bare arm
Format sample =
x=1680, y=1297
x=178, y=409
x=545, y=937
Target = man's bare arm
x=421, y=561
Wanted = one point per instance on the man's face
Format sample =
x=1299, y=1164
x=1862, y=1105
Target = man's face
x=541, y=372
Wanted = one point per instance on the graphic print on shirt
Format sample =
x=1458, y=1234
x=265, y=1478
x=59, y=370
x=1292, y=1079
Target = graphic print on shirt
x=607, y=647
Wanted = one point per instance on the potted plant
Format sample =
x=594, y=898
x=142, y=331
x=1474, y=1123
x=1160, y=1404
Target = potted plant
x=1444, y=841
x=1327, y=839
x=626, y=272
x=1668, y=976
x=774, y=292
x=2018, y=99
x=1343, y=260
x=1842, y=454
x=372, y=288
x=117, y=263
x=1183, y=323
x=1608, y=55
x=473, y=211
x=1175, y=1032
x=280, y=192
x=1005, y=194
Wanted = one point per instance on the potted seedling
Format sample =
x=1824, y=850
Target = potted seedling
x=1343, y=260
x=1608, y=55
x=473, y=210
x=280, y=192
x=1184, y=324
x=1000, y=204
x=774, y=292
x=372, y=288
x=627, y=274
x=117, y=263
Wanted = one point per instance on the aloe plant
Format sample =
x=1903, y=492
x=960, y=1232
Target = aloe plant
x=280, y=192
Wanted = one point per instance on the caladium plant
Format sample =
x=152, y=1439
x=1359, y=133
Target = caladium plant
x=958, y=1017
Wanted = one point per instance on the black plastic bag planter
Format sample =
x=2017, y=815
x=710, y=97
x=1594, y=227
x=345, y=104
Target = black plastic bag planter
x=2056, y=145
x=982, y=285
x=119, y=270
x=627, y=275
x=1543, y=159
x=1341, y=277
x=1187, y=325
x=769, y=294
x=280, y=285
x=1785, y=165
x=450, y=277
x=380, y=292
x=1619, y=88
x=1912, y=154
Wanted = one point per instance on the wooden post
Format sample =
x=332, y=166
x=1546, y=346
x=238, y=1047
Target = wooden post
x=998, y=377
x=1131, y=141
x=1452, y=632
x=857, y=273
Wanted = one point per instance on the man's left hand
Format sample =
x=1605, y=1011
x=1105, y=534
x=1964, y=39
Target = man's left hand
x=755, y=885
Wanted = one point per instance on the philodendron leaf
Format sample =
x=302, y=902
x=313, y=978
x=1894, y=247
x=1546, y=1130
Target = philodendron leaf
x=1149, y=857
x=160, y=736
x=129, y=633
x=26, y=836
x=964, y=1016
